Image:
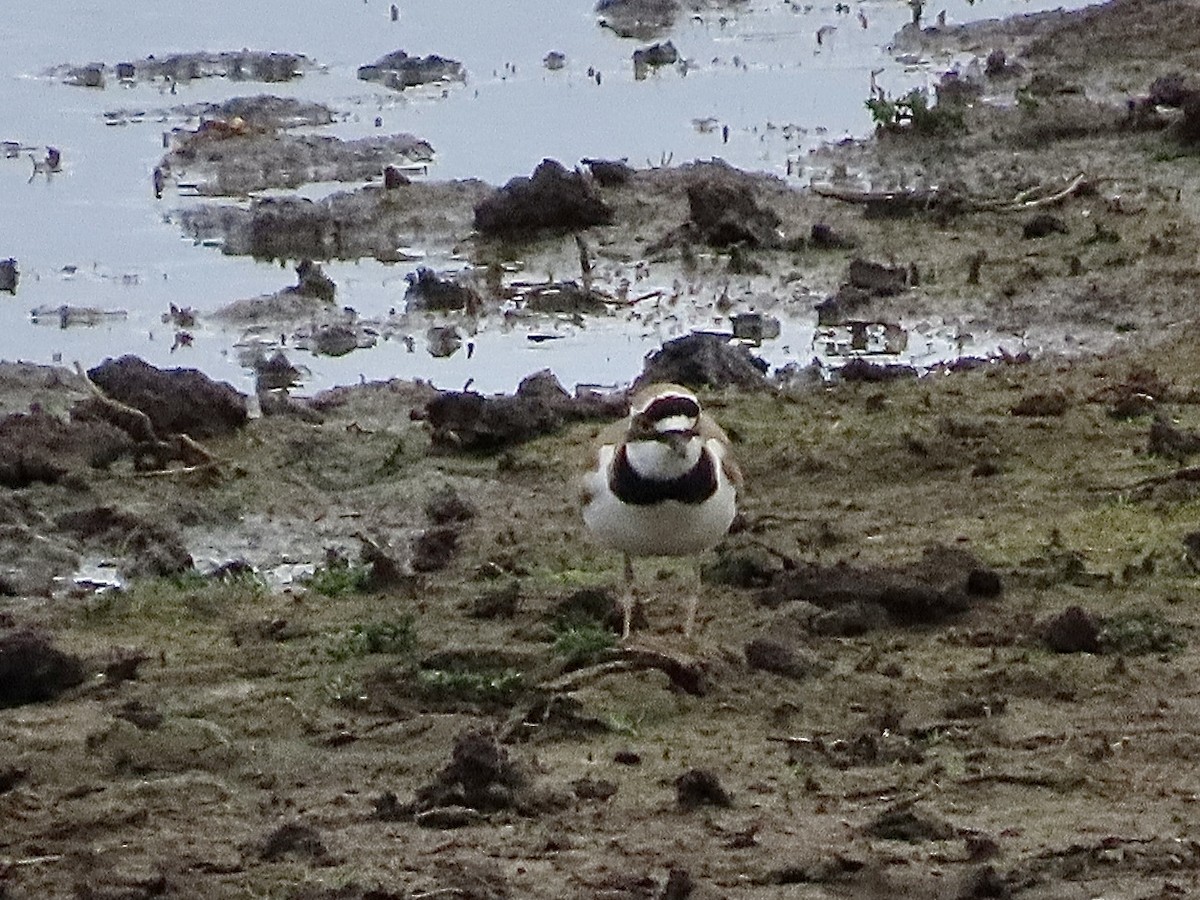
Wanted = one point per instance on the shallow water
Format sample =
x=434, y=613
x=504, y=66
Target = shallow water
x=94, y=236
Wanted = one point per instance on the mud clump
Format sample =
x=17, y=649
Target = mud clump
x=39, y=447
x=774, y=656
x=435, y=548
x=462, y=420
x=429, y=291
x=943, y=583
x=1167, y=441
x=9, y=276
x=641, y=19
x=609, y=172
x=723, y=211
x=700, y=787
x=1074, y=630
x=479, y=777
x=150, y=548
x=704, y=360
x=655, y=56
x=551, y=198
x=398, y=71
x=33, y=670
x=864, y=370
x=293, y=839
x=177, y=401
x=903, y=823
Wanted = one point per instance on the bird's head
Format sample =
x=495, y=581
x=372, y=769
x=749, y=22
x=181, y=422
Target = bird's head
x=668, y=416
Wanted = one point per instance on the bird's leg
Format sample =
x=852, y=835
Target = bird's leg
x=691, y=601
x=627, y=599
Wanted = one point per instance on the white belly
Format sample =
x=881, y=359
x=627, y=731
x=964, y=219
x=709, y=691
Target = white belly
x=669, y=528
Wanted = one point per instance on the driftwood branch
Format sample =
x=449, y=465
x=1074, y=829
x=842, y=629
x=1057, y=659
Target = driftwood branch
x=688, y=675
x=915, y=199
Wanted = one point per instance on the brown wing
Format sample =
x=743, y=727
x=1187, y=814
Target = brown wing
x=711, y=430
x=612, y=434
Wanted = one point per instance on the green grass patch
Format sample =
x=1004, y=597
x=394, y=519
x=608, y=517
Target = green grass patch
x=471, y=686
x=390, y=636
x=582, y=644
x=1139, y=632
x=339, y=579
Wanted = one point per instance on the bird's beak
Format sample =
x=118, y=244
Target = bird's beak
x=679, y=440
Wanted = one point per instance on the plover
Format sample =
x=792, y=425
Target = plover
x=663, y=482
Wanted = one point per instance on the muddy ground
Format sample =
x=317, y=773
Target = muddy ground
x=949, y=649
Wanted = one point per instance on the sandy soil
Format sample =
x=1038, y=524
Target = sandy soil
x=948, y=651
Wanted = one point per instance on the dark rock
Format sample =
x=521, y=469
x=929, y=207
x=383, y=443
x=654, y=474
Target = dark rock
x=1051, y=403
x=470, y=421
x=1191, y=545
x=1170, y=442
x=656, y=55
x=593, y=788
x=398, y=70
x=447, y=507
x=434, y=549
x=1074, y=630
x=877, y=279
x=336, y=339
x=903, y=823
x=679, y=886
x=393, y=178
x=178, y=401
x=10, y=777
x=9, y=276
x=33, y=670
x=150, y=548
x=699, y=787
x=551, y=198
x=592, y=606
x=997, y=65
x=1043, y=225
x=754, y=326
x=704, y=360
x=500, y=603
x=313, y=282
x=772, y=656
x=946, y=581
x=292, y=839
x=641, y=19
x=609, y=172
x=825, y=237
x=428, y=291
x=274, y=372
x=443, y=340
x=859, y=369
x=126, y=71
x=627, y=758
x=1171, y=90
x=238, y=65
x=723, y=210
x=984, y=882
x=479, y=776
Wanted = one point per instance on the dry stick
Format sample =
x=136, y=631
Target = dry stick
x=137, y=425
x=685, y=674
x=912, y=197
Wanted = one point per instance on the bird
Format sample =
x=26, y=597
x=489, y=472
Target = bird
x=661, y=482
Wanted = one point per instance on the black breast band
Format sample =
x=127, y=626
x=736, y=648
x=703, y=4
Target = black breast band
x=695, y=486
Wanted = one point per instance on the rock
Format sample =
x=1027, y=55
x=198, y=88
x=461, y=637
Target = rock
x=177, y=401
x=656, y=55
x=704, y=360
x=902, y=822
x=470, y=421
x=679, y=886
x=877, y=279
x=554, y=60
x=859, y=369
x=1074, y=630
x=627, y=758
x=239, y=65
x=593, y=789
x=550, y=198
x=945, y=582
x=428, y=291
x=33, y=670
x=825, y=237
x=313, y=282
x=443, y=340
x=1043, y=225
x=640, y=19
x=479, y=776
x=273, y=373
x=398, y=70
x=609, y=172
x=700, y=787
x=723, y=211
x=434, y=549
x=293, y=839
x=336, y=339
x=772, y=656
x=754, y=326
x=9, y=276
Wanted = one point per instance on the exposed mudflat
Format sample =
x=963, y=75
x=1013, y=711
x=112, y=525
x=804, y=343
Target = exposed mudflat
x=358, y=646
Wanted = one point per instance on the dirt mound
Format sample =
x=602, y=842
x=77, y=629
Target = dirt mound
x=39, y=447
x=398, y=70
x=150, y=548
x=33, y=670
x=642, y=19
x=943, y=583
x=178, y=401
x=429, y=291
x=463, y=420
x=704, y=360
x=550, y=198
x=723, y=210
